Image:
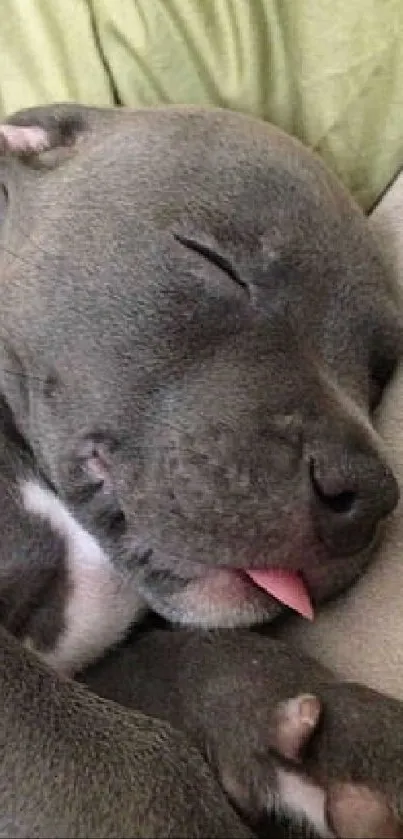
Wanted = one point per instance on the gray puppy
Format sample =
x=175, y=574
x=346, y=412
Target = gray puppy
x=194, y=330
x=196, y=318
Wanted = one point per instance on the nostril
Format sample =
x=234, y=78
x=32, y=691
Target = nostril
x=337, y=502
x=350, y=494
x=341, y=503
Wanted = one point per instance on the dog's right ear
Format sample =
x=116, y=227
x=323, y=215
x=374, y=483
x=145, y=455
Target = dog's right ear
x=45, y=136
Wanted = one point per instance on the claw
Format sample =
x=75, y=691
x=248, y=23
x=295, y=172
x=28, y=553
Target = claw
x=296, y=720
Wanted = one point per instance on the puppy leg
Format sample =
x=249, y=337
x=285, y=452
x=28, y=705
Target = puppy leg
x=73, y=765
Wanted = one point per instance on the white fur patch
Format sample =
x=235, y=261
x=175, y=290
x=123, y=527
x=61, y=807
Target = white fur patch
x=102, y=601
x=300, y=797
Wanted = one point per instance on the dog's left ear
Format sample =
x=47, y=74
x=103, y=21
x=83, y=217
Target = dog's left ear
x=23, y=141
x=44, y=136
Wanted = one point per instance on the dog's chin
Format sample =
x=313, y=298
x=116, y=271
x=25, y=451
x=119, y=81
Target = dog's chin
x=219, y=599
x=211, y=598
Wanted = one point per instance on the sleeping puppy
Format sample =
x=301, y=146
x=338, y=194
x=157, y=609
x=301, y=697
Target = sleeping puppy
x=197, y=324
x=195, y=329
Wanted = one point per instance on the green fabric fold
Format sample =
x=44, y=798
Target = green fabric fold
x=328, y=71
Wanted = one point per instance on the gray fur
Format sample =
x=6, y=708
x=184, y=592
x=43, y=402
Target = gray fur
x=192, y=290
x=195, y=328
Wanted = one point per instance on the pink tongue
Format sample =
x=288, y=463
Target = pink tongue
x=285, y=586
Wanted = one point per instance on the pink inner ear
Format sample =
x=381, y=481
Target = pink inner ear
x=23, y=139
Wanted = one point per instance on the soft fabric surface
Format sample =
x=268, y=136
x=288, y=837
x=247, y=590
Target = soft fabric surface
x=361, y=635
x=329, y=71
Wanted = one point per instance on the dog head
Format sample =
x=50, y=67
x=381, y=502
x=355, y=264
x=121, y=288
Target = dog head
x=197, y=324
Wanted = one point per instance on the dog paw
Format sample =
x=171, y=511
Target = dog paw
x=263, y=778
x=295, y=721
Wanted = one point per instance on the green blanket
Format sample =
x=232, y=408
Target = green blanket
x=329, y=71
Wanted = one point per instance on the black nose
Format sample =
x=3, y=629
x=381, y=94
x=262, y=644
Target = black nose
x=350, y=495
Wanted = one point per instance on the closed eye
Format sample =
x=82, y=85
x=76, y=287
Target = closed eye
x=212, y=256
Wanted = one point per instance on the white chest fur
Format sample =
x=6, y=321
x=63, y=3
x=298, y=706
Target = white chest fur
x=101, y=601
x=299, y=797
